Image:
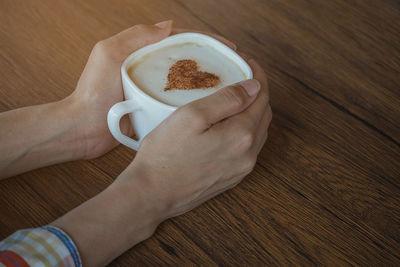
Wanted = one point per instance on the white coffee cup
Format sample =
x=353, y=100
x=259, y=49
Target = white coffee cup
x=145, y=112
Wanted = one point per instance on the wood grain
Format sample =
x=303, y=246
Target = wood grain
x=326, y=188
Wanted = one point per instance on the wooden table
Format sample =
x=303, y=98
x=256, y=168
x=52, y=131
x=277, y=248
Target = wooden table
x=326, y=188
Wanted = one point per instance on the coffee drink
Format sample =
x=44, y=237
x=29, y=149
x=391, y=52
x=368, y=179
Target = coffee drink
x=180, y=73
x=160, y=77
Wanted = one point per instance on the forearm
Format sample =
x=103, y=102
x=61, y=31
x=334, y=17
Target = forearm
x=107, y=225
x=38, y=136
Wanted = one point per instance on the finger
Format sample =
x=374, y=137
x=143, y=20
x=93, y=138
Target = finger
x=252, y=115
x=243, y=55
x=228, y=183
x=213, y=193
x=138, y=36
x=224, y=103
x=219, y=188
x=213, y=35
x=262, y=131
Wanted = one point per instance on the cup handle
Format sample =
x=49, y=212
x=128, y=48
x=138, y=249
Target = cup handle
x=114, y=116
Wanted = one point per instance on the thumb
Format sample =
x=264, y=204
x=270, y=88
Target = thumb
x=139, y=36
x=224, y=103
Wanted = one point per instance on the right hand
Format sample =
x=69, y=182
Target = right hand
x=204, y=148
x=201, y=150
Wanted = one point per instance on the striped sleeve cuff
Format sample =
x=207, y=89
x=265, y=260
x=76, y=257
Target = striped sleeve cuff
x=44, y=246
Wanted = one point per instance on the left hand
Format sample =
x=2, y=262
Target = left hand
x=100, y=84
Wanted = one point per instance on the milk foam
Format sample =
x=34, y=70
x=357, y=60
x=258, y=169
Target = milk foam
x=151, y=71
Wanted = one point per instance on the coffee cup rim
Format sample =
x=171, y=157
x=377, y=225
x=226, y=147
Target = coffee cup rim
x=176, y=39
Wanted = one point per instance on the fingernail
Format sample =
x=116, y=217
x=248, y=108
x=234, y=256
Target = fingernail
x=234, y=46
x=163, y=24
x=252, y=86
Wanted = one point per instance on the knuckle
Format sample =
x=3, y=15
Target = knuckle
x=244, y=142
x=101, y=46
x=247, y=140
x=140, y=27
x=236, y=183
x=248, y=163
x=235, y=96
x=270, y=114
x=230, y=187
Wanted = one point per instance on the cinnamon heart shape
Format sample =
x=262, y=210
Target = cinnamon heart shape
x=185, y=75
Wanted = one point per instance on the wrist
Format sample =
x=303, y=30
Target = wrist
x=39, y=136
x=136, y=184
x=151, y=183
x=91, y=127
x=75, y=110
x=136, y=206
x=110, y=223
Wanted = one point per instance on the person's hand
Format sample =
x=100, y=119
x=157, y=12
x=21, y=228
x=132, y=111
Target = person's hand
x=100, y=85
x=203, y=148
x=75, y=127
